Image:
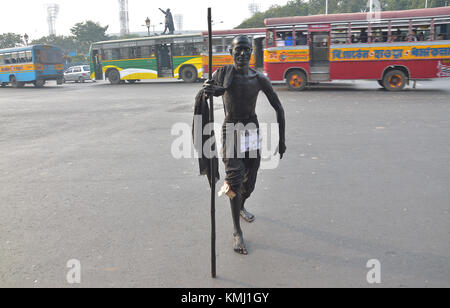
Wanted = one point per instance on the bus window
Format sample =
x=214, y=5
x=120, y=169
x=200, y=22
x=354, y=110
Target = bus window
x=379, y=35
x=14, y=58
x=126, y=53
x=1, y=59
x=442, y=32
x=360, y=35
x=7, y=58
x=300, y=38
x=400, y=34
x=22, y=57
x=145, y=52
x=29, y=56
x=197, y=48
x=178, y=50
x=421, y=29
x=217, y=45
x=107, y=54
x=115, y=54
x=228, y=41
x=191, y=49
x=270, y=40
x=339, y=36
x=49, y=56
x=284, y=38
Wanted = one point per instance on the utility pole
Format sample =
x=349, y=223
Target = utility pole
x=326, y=7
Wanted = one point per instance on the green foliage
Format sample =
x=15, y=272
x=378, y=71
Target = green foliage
x=315, y=7
x=87, y=33
x=79, y=59
x=10, y=40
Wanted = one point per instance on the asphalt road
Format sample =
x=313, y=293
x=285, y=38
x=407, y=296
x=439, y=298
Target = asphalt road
x=86, y=173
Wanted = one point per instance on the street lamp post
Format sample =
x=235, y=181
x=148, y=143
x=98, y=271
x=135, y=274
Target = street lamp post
x=26, y=37
x=148, y=24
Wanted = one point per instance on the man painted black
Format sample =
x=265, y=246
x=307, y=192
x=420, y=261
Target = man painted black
x=240, y=85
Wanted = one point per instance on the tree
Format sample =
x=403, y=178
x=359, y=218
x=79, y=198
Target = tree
x=9, y=40
x=87, y=33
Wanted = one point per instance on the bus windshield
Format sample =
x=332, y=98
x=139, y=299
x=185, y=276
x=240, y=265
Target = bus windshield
x=49, y=56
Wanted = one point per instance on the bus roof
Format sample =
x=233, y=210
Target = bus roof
x=349, y=17
x=15, y=49
x=156, y=37
x=236, y=31
x=25, y=48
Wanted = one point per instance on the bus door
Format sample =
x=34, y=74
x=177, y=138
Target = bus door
x=164, y=58
x=319, y=50
x=98, y=69
x=259, y=53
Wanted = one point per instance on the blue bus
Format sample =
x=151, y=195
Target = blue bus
x=33, y=64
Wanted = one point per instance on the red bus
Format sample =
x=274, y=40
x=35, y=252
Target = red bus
x=389, y=47
x=222, y=42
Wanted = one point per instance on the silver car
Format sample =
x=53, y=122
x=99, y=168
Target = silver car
x=78, y=73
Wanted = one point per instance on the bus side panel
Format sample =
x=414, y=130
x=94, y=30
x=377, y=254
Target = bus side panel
x=134, y=69
x=4, y=74
x=195, y=61
x=222, y=60
x=25, y=76
x=23, y=73
x=418, y=69
x=276, y=71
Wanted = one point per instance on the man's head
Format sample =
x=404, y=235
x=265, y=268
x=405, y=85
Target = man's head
x=241, y=50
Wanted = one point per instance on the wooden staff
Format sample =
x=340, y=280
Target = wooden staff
x=213, y=175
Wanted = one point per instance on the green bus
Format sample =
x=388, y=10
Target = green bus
x=132, y=60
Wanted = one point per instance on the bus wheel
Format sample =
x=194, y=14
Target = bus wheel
x=114, y=76
x=394, y=80
x=39, y=83
x=15, y=83
x=296, y=81
x=189, y=74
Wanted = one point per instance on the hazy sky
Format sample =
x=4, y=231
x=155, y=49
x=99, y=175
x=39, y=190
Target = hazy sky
x=30, y=16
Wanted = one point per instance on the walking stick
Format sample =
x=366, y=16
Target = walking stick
x=213, y=175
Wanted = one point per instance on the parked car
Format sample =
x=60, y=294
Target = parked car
x=77, y=73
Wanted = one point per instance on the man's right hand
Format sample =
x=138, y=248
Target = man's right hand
x=209, y=87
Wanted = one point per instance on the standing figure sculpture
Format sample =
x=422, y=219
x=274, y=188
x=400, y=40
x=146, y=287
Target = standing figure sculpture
x=240, y=85
x=169, y=21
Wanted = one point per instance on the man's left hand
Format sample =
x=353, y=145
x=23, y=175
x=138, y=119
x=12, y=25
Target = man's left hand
x=282, y=149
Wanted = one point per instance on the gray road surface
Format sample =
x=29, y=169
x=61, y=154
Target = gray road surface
x=86, y=173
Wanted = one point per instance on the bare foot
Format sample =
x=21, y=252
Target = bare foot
x=239, y=245
x=247, y=216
